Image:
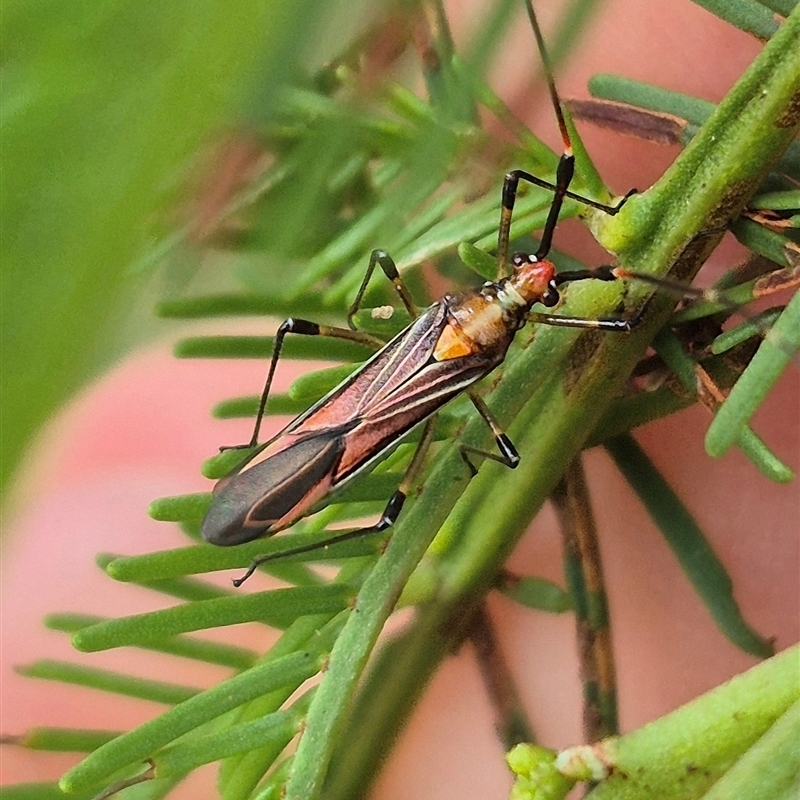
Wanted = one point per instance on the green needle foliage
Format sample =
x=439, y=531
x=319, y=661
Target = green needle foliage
x=349, y=158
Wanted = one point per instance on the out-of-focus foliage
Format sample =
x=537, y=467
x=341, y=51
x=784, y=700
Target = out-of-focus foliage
x=103, y=106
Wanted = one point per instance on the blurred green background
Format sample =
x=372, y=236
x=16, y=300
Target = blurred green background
x=104, y=106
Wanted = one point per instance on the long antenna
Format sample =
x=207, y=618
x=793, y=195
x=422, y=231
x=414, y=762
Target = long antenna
x=566, y=163
x=564, y=173
x=551, y=83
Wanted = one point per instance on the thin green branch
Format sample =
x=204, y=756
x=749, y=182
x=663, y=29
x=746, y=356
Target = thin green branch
x=747, y=15
x=706, y=186
x=225, y=655
x=105, y=680
x=698, y=560
x=772, y=358
x=61, y=740
x=584, y=576
x=306, y=643
x=279, y=607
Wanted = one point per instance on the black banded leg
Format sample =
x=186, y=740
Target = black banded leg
x=625, y=325
x=560, y=189
x=678, y=289
x=605, y=272
x=608, y=272
x=508, y=453
x=388, y=518
x=303, y=327
x=622, y=325
x=384, y=260
x=564, y=171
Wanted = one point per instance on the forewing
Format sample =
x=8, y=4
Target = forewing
x=275, y=492
x=424, y=393
x=380, y=377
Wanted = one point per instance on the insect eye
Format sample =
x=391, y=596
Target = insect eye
x=551, y=296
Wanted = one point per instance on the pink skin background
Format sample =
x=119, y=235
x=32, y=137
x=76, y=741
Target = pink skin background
x=142, y=431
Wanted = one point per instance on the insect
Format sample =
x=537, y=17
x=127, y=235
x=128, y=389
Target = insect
x=445, y=351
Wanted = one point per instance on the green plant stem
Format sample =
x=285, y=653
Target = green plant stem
x=685, y=753
x=583, y=571
x=737, y=741
x=511, y=722
x=707, y=185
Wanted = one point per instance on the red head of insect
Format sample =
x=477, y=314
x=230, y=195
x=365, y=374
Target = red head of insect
x=533, y=280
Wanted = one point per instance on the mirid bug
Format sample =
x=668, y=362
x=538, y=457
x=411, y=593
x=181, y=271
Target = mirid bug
x=446, y=349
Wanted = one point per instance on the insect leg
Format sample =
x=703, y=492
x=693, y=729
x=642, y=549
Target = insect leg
x=388, y=518
x=508, y=453
x=564, y=173
x=386, y=263
x=605, y=272
x=622, y=325
x=306, y=328
x=560, y=189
